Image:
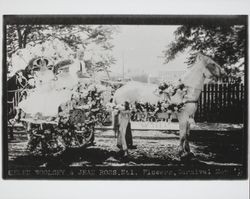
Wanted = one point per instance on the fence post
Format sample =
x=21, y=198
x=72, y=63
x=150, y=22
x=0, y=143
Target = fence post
x=220, y=109
x=216, y=100
x=200, y=107
x=204, y=105
x=221, y=103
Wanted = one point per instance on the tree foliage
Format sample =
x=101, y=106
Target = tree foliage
x=225, y=44
x=75, y=36
x=18, y=36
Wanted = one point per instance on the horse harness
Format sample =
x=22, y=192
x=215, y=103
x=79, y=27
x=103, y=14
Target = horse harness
x=191, y=101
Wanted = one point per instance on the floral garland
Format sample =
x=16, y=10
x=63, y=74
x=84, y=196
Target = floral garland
x=170, y=88
x=171, y=91
x=76, y=121
x=173, y=102
x=45, y=142
x=87, y=101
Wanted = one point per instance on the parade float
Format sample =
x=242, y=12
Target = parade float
x=65, y=99
x=64, y=104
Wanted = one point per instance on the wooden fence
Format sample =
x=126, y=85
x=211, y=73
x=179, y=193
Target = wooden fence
x=221, y=103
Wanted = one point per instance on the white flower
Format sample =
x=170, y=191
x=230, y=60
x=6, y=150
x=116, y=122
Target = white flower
x=165, y=105
x=120, y=107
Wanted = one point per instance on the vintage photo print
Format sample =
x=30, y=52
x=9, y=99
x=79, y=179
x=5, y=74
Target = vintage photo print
x=125, y=97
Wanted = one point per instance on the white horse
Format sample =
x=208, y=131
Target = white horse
x=203, y=69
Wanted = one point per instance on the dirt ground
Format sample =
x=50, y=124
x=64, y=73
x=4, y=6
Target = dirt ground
x=152, y=148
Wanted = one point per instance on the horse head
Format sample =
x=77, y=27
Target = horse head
x=211, y=68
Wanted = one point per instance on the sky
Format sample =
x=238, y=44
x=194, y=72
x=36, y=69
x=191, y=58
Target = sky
x=140, y=48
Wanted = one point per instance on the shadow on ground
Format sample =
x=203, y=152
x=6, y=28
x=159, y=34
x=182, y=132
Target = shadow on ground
x=93, y=156
x=212, y=148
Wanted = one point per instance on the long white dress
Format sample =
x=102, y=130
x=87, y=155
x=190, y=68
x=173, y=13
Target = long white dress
x=50, y=92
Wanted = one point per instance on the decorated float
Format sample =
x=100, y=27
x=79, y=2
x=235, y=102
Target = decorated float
x=65, y=102
x=68, y=100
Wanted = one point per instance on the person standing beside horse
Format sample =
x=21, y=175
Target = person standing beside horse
x=123, y=128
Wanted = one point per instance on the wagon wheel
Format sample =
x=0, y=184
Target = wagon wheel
x=101, y=118
x=56, y=147
x=80, y=138
x=83, y=131
x=84, y=137
x=45, y=142
x=76, y=117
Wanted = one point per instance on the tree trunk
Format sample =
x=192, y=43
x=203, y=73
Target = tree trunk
x=107, y=72
x=25, y=34
x=20, y=38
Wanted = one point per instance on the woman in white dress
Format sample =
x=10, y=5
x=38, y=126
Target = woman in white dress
x=51, y=91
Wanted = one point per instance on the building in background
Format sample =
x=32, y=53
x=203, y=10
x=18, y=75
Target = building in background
x=170, y=76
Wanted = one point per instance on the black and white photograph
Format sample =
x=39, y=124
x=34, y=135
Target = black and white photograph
x=141, y=97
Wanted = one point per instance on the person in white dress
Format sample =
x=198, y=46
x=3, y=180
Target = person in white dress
x=51, y=90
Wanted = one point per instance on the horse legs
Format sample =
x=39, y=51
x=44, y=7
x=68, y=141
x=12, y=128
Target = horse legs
x=184, y=148
x=186, y=142
x=122, y=136
x=183, y=137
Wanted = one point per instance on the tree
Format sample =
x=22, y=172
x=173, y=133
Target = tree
x=225, y=44
x=75, y=36
x=18, y=36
